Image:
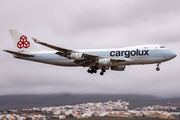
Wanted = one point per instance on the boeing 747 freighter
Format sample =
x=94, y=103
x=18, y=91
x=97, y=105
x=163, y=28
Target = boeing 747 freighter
x=95, y=59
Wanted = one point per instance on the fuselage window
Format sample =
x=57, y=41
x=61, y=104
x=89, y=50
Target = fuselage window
x=163, y=47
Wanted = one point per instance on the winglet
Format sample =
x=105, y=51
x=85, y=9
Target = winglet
x=35, y=40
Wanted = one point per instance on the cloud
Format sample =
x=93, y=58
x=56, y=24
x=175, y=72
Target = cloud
x=88, y=25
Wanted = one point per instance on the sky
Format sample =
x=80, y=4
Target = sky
x=90, y=24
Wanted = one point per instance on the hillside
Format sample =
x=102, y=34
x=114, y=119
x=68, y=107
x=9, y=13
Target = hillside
x=28, y=101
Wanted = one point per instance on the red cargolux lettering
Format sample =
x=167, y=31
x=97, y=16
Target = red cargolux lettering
x=23, y=42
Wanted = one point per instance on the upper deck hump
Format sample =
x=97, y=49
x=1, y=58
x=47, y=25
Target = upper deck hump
x=140, y=47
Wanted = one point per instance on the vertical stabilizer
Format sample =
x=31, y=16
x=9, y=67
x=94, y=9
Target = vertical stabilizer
x=22, y=42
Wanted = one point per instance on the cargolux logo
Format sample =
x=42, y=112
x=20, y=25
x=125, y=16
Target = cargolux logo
x=127, y=53
x=23, y=43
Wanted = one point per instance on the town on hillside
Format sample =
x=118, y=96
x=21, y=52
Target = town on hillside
x=87, y=110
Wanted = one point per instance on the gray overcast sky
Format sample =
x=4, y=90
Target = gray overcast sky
x=89, y=24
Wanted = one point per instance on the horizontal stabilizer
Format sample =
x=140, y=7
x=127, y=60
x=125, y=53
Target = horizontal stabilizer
x=18, y=53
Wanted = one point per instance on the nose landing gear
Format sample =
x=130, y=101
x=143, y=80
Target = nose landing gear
x=158, y=67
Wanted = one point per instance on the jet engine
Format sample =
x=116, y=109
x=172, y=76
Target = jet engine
x=118, y=68
x=76, y=56
x=104, y=62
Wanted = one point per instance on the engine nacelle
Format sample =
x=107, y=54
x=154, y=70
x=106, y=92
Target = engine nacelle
x=118, y=68
x=104, y=62
x=76, y=56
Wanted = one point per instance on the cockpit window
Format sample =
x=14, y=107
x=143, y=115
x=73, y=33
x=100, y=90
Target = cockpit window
x=163, y=47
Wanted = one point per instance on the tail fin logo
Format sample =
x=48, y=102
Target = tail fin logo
x=23, y=43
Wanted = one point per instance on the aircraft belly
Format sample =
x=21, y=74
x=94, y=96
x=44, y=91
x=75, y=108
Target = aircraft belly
x=150, y=60
x=63, y=63
x=60, y=61
x=140, y=60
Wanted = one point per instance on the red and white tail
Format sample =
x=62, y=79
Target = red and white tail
x=22, y=42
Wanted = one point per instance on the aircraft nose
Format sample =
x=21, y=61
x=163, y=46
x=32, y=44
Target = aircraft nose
x=172, y=54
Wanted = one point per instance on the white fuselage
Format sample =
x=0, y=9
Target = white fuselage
x=147, y=54
x=115, y=59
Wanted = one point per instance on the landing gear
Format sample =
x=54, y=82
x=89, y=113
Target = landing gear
x=95, y=71
x=102, y=71
x=158, y=67
x=92, y=70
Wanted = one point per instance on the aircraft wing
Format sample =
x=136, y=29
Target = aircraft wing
x=88, y=59
x=62, y=51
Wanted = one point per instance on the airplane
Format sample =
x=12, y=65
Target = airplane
x=115, y=59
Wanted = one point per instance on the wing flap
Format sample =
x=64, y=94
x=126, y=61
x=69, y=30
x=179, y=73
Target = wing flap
x=85, y=63
x=89, y=56
x=89, y=63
